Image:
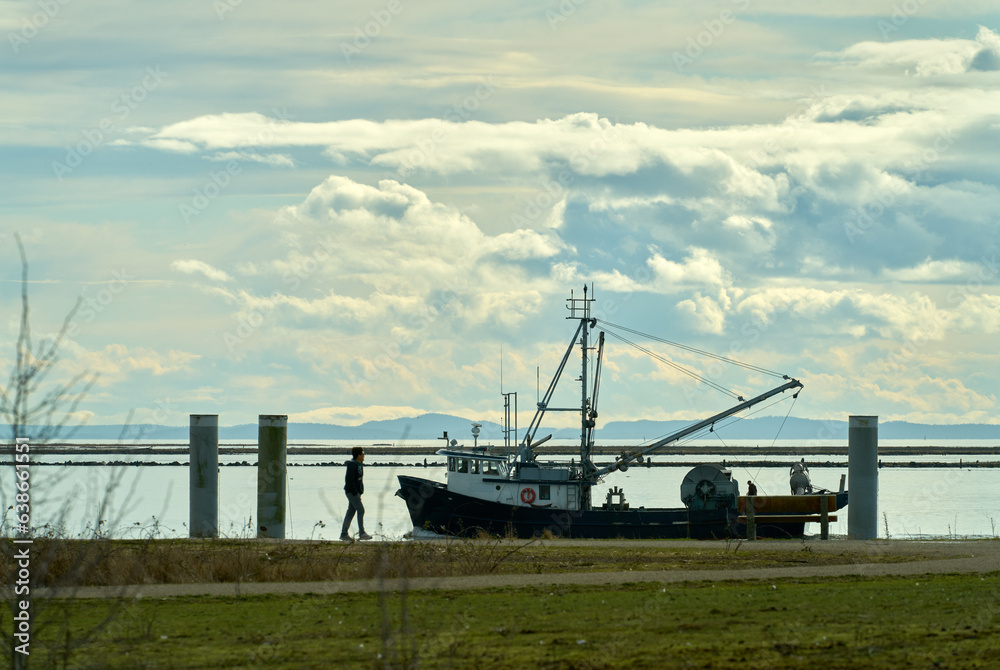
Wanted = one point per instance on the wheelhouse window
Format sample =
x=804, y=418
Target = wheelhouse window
x=543, y=492
x=463, y=465
x=451, y=463
x=474, y=466
x=490, y=468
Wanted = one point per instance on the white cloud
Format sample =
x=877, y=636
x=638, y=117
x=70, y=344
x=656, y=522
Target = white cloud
x=979, y=313
x=393, y=238
x=709, y=314
x=726, y=188
x=386, y=258
x=354, y=416
x=700, y=268
x=115, y=362
x=924, y=57
x=274, y=160
x=894, y=316
x=192, y=266
x=932, y=271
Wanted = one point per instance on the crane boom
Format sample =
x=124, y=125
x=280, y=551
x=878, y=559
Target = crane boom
x=625, y=459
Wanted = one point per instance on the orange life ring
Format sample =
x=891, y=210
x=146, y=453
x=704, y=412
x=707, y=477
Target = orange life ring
x=528, y=496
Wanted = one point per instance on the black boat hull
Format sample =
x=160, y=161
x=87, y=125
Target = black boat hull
x=433, y=507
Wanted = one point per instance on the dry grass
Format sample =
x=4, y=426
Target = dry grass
x=103, y=562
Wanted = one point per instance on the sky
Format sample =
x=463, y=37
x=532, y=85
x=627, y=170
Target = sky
x=354, y=211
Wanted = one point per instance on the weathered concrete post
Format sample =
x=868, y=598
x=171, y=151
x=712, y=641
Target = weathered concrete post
x=862, y=478
x=203, y=518
x=272, y=448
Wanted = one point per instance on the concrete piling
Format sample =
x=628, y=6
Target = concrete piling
x=862, y=475
x=203, y=518
x=272, y=450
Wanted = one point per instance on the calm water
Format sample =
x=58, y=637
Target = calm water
x=913, y=502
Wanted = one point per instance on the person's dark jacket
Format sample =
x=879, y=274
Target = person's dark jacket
x=354, y=479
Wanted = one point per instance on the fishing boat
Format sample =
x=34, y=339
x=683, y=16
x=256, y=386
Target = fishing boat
x=509, y=491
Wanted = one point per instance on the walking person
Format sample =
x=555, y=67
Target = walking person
x=354, y=486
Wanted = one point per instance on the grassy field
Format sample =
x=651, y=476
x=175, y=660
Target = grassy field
x=946, y=621
x=173, y=561
x=937, y=621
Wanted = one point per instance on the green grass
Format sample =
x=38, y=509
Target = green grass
x=948, y=621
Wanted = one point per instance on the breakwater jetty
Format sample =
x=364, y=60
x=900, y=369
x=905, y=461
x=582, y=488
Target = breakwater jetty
x=382, y=455
x=557, y=450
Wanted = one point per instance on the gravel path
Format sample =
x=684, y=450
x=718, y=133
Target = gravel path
x=978, y=556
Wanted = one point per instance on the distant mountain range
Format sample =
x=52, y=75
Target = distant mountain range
x=430, y=426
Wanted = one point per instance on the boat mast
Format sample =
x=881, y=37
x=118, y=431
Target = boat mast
x=595, y=391
x=584, y=451
x=579, y=309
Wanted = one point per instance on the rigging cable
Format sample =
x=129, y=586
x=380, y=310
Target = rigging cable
x=795, y=397
x=676, y=366
x=741, y=418
x=700, y=433
x=737, y=462
x=694, y=350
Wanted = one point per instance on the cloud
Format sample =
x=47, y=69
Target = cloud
x=354, y=416
x=360, y=276
x=274, y=160
x=828, y=209
x=709, y=313
x=841, y=177
x=191, y=266
x=397, y=241
x=923, y=57
x=700, y=268
x=115, y=362
x=933, y=271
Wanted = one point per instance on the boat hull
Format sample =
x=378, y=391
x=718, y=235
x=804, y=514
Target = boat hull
x=433, y=507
